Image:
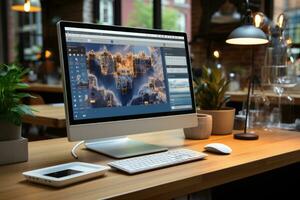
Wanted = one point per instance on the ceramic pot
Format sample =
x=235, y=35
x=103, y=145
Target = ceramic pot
x=222, y=120
x=202, y=131
x=13, y=148
x=9, y=131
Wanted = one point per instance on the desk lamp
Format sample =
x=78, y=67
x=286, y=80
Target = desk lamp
x=247, y=34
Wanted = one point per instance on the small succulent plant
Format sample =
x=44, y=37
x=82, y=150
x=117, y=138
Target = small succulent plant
x=210, y=89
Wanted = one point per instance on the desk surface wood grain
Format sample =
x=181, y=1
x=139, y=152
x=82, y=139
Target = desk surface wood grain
x=273, y=150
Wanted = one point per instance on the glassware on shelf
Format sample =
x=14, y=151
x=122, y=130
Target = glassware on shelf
x=259, y=110
x=279, y=70
x=289, y=110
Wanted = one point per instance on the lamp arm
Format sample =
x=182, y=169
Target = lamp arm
x=250, y=89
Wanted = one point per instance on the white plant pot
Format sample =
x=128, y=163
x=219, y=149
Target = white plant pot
x=9, y=131
x=222, y=120
x=13, y=148
x=202, y=131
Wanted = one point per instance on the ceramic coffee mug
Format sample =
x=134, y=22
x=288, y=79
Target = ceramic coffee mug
x=202, y=131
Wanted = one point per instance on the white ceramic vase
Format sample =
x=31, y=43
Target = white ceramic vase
x=9, y=131
x=202, y=131
x=13, y=147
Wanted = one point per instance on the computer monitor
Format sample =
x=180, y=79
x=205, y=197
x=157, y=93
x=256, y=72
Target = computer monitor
x=120, y=81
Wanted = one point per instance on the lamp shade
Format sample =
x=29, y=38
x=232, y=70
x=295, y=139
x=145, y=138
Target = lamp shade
x=26, y=5
x=247, y=35
x=226, y=14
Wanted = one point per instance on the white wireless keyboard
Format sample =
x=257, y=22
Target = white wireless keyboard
x=157, y=160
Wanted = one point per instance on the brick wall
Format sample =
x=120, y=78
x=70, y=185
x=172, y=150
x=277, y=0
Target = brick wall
x=58, y=10
x=232, y=56
x=12, y=38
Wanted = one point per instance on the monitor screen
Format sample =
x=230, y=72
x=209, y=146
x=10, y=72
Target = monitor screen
x=117, y=75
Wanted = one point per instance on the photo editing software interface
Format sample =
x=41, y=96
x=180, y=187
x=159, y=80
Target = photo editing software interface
x=117, y=73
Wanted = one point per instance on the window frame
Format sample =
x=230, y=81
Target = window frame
x=117, y=13
x=4, y=33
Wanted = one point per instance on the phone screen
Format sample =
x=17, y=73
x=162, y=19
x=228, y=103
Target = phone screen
x=63, y=173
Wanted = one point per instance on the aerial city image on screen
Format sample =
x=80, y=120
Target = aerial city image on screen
x=123, y=75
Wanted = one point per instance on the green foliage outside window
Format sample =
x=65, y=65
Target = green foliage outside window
x=142, y=16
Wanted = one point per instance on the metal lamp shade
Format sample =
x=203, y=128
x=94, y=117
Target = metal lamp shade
x=19, y=5
x=247, y=35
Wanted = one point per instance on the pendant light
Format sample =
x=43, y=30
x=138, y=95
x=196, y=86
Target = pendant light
x=26, y=6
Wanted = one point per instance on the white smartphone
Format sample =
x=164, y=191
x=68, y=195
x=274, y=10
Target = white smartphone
x=65, y=174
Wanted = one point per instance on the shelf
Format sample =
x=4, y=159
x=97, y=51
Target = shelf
x=296, y=45
x=240, y=96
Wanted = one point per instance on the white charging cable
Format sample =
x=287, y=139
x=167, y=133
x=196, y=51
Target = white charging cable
x=73, y=151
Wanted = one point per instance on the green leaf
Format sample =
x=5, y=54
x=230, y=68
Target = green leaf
x=210, y=88
x=23, y=95
x=11, y=109
x=22, y=110
x=222, y=104
x=21, y=86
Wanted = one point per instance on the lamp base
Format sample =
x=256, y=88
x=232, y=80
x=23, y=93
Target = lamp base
x=245, y=136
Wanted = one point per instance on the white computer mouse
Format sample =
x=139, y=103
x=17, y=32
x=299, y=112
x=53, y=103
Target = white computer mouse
x=218, y=148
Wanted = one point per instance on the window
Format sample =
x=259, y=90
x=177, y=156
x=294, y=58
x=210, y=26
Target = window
x=28, y=38
x=31, y=33
x=176, y=15
x=106, y=12
x=291, y=9
x=179, y=1
x=137, y=13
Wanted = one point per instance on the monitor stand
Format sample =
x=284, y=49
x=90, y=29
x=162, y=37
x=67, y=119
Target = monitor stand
x=122, y=147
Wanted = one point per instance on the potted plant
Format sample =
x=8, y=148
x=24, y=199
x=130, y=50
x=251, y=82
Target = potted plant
x=12, y=146
x=210, y=91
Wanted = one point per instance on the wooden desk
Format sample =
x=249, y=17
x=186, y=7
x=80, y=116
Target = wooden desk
x=45, y=93
x=272, y=150
x=41, y=87
x=51, y=115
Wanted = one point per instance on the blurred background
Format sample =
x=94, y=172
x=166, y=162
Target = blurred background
x=29, y=38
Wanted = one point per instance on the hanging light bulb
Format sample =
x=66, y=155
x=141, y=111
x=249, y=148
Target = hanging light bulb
x=27, y=6
x=216, y=54
x=48, y=54
x=281, y=21
x=258, y=19
x=289, y=41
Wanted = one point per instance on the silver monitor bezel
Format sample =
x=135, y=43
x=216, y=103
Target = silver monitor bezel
x=93, y=129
